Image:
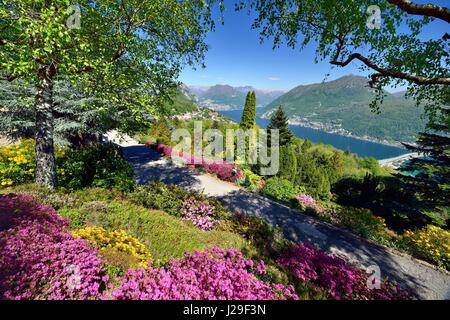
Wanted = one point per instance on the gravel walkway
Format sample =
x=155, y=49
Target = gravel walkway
x=426, y=281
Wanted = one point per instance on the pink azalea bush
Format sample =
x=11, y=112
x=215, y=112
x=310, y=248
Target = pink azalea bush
x=222, y=169
x=39, y=258
x=211, y=275
x=200, y=213
x=306, y=201
x=339, y=279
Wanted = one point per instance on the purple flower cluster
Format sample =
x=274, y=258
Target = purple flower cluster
x=200, y=213
x=201, y=275
x=222, y=169
x=306, y=201
x=39, y=258
x=339, y=279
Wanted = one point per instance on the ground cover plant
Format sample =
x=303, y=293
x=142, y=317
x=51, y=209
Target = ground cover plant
x=59, y=266
x=118, y=250
x=39, y=258
x=208, y=275
x=200, y=213
x=119, y=236
x=430, y=243
x=341, y=280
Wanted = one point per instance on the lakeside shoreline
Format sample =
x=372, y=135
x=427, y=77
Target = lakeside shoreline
x=391, y=162
x=296, y=121
x=362, y=146
x=343, y=132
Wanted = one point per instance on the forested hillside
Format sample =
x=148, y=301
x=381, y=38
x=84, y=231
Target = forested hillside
x=344, y=104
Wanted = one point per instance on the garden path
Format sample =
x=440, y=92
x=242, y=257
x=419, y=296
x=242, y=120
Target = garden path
x=426, y=281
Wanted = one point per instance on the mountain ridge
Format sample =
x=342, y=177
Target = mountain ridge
x=342, y=106
x=227, y=97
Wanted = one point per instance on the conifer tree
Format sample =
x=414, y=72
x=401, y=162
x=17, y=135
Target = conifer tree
x=429, y=176
x=279, y=121
x=288, y=162
x=79, y=118
x=248, y=120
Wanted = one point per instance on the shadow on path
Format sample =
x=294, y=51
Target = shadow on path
x=421, y=279
x=424, y=280
x=148, y=165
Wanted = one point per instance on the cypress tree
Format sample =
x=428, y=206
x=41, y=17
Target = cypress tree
x=248, y=120
x=279, y=121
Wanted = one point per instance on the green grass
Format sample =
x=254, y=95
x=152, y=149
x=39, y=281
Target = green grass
x=165, y=236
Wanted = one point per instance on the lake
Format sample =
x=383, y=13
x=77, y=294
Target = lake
x=360, y=147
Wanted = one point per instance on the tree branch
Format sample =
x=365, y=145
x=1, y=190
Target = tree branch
x=429, y=10
x=383, y=72
x=119, y=52
x=9, y=77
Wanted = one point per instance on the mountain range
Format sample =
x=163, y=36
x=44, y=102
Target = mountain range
x=226, y=97
x=342, y=106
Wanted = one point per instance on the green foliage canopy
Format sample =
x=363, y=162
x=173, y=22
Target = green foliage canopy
x=128, y=51
x=396, y=51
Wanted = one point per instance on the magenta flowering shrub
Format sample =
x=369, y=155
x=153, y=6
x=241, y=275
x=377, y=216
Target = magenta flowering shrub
x=164, y=149
x=222, y=169
x=200, y=213
x=39, y=258
x=341, y=280
x=201, y=275
x=306, y=201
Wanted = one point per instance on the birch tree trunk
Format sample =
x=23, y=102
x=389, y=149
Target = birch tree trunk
x=45, y=156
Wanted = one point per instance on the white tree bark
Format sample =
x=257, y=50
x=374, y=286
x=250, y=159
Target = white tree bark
x=45, y=156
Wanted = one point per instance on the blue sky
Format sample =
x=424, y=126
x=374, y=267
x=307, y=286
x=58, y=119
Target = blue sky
x=237, y=58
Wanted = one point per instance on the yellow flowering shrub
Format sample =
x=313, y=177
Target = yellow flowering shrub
x=17, y=162
x=251, y=180
x=116, y=247
x=431, y=243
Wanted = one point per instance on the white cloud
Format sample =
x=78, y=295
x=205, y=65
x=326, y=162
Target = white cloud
x=274, y=78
